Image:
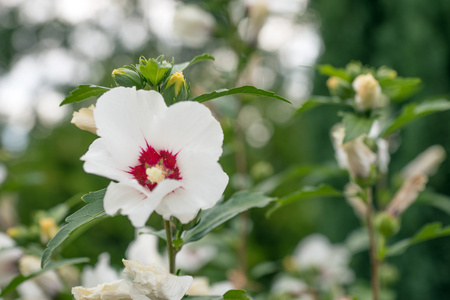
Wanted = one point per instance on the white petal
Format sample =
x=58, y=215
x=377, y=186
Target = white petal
x=203, y=184
x=123, y=116
x=103, y=272
x=134, y=201
x=155, y=282
x=99, y=161
x=189, y=125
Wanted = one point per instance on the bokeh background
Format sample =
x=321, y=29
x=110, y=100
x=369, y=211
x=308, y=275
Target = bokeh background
x=48, y=47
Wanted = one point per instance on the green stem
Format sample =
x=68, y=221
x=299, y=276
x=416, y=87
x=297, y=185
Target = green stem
x=170, y=249
x=373, y=246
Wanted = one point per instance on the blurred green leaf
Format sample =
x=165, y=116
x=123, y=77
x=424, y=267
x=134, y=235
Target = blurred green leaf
x=202, y=298
x=329, y=70
x=399, y=88
x=199, y=58
x=355, y=126
x=224, y=211
x=315, y=101
x=92, y=211
x=439, y=201
x=246, y=89
x=236, y=295
x=15, y=282
x=306, y=192
x=84, y=92
x=428, y=232
x=415, y=111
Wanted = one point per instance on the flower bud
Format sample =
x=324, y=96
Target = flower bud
x=127, y=77
x=154, y=71
x=176, y=89
x=407, y=194
x=386, y=224
x=368, y=93
x=48, y=281
x=48, y=229
x=84, y=119
x=338, y=87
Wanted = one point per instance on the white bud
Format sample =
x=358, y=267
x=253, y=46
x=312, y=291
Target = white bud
x=49, y=281
x=84, y=119
x=368, y=92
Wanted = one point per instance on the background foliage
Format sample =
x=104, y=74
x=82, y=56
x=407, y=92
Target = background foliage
x=412, y=37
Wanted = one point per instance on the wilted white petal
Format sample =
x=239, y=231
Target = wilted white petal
x=425, y=163
x=407, y=194
x=103, y=272
x=360, y=158
x=156, y=283
x=116, y=290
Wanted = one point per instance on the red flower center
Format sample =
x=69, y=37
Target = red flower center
x=154, y=167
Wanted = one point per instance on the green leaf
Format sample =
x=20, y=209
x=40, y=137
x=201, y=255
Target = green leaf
x=415, y=111
x=306, y=192
x=315, y=101
x=84, y=92
x=15, y=282
x=355, y=126
x=399, y=88
x=246, y=89
x=427, y=232
x=438, y=201
x=88, y=213
x=199, y=58
x=224, y=211
x=236, y=295
x=329, y=70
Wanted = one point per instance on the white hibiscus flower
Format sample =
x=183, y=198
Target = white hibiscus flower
x=164, y=159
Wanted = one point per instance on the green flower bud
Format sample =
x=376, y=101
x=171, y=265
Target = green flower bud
x=386, y=224
x=154, y=71
x=127, y=77
x=176, y=89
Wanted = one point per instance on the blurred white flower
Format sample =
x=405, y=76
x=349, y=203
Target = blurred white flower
x=331, y=261
x=193, y=257
x=368, y=92
x=154, y=282
x=199, y=287
x=103, y=272
x=383, y=155
x=49, y=281
x=425, y=163
x=192, y=25
x=144, y=248
x=116, y=290
x=9, y=255
x=164, y=158
x=294, y=287
x=84, y=119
